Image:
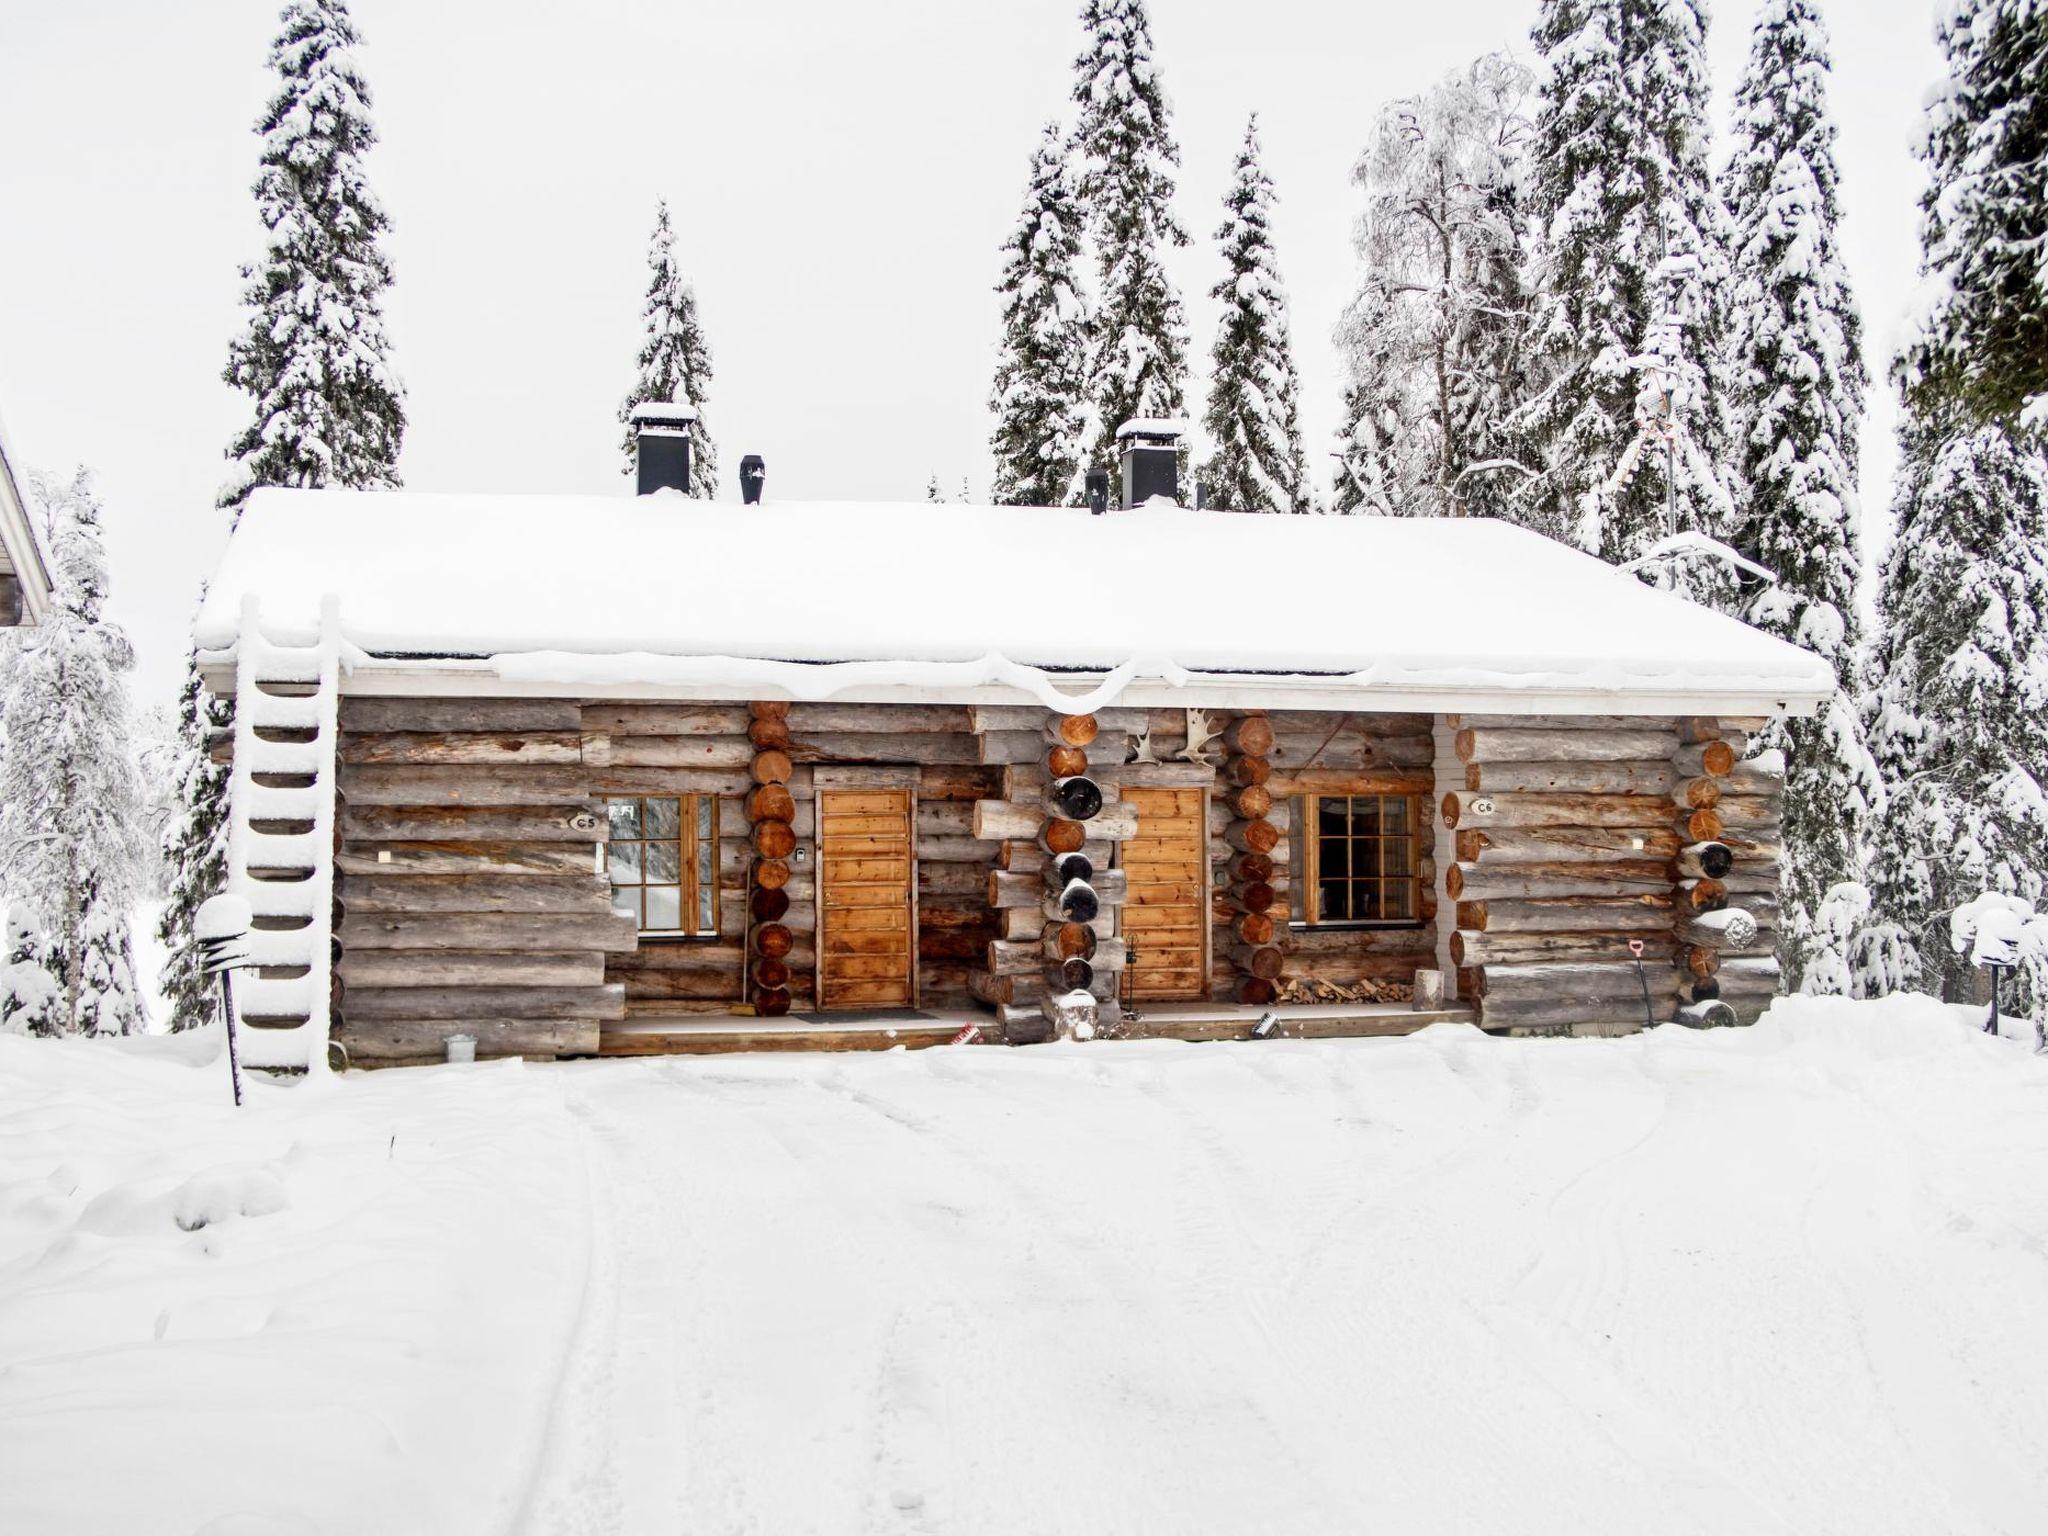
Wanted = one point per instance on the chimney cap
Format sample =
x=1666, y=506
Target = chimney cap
x=668, y=413
x=1152, y=429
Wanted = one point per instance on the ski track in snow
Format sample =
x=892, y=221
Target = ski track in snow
x=1791, y=1279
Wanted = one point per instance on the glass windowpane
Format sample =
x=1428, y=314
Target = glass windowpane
x=625, y=818
x=1335, y=900
x=664, y=818
x=1365, y=816
x=625, y=863
x=664, y=908
x=1332, y=818
x=1399, y=896
x=626, y=901
x=1366, y=901
x=664, y=863
x=1394, y=816
x=706, y=816
x=707, y=907
x=1397, y=857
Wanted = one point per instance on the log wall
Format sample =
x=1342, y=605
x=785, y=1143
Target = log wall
x=467, y=884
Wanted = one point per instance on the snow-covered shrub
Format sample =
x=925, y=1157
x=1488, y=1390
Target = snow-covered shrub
x=2001, y=930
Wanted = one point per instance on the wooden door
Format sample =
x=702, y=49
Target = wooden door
x=867, y=918
x=1166, y=913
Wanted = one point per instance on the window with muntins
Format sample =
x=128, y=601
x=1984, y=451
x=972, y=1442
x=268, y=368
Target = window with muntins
x=663, y=861
x=1357, y=860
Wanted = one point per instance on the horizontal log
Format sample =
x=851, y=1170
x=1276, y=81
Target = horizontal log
x=439, y=968
x=810, y=720
x=1695, y=794
x=466, y=858
x=1602, y=778
x=1707, y=1015
x=1026, y=783
x=1705, y=861
x=364, y=784
x=1518, y=1013
x=578, y=820
x=1753, y=777
x=401, y=714
x=1755, y=973
x=491, y=930
x=389, y=1042
x=679, y=752
x=1603, y=723
x=1494, y=882
x=576, y=893
x=1462, y=808
x=482, y=1003
x=1469, y=948
x=1648, y=912
x=638, y=780
x=1545, y=845
x=769, y=735
x=1548, y=745
x=418, y=747
x=1701, y=895
x=771, y=766
x=1250, y=736
x=1752, y=813
x=908, y=747
x=1021, y=749
x=730, y=720
x=956, y=850
x=1581, y=981
x=950, y=879
x=1015, y=890
x=1253, y=836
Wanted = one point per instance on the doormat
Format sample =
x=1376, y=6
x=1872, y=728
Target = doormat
x=866, y=1016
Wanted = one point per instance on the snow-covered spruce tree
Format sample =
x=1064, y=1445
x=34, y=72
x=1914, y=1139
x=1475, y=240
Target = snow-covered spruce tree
x=1981, y=346
x=1369, y=444
x=1433, y=342
x=1040, y=394
x=1957, y=700
x=329, y=410
x=1256, y=464
x=195, y=848
x=675, y=359
x=326, y=406
x=1633, y=277
x=1797, y=367
x=1138, y=361
x=72, y=857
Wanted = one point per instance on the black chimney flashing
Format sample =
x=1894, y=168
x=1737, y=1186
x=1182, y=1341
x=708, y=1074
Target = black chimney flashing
x=1098, y=491
x=661, y=446
x=753, y=474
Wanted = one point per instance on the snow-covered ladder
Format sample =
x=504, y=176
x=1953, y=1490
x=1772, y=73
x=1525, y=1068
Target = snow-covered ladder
x=281, y=837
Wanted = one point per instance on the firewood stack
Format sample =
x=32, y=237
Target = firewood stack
x=1255, y=953
x=1727, y=909
x=771, y=810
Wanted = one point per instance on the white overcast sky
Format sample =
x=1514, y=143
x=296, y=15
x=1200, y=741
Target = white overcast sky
x=842, y=174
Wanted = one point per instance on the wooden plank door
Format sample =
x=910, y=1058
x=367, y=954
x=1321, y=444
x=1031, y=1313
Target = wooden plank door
x=1166, y=913
x=867, y=916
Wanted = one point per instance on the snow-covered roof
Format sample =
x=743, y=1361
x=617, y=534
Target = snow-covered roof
x=667, y=594
x=20, y=555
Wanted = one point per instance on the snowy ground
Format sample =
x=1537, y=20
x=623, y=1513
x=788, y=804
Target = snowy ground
x=1790, y=1279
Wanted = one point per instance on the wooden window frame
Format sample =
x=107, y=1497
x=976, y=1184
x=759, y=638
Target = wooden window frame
x=1307, y=826
x=689, y=852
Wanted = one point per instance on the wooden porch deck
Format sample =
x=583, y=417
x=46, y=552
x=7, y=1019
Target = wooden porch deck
x=705, y=1034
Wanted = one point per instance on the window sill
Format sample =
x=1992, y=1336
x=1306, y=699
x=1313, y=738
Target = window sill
x=660, y=936
x=1361, y=926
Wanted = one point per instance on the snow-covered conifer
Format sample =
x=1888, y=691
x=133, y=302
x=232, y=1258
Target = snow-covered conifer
x=329, y=410
x=1040, y=394
x=1981, y=346
x=195, y=848
x=1433, y=342
x=1957, y=703
x=1127, y=155
x=1797, y=366
x=72, y=857
x=675, y=359
x=1633, y=273
x=1256, y=464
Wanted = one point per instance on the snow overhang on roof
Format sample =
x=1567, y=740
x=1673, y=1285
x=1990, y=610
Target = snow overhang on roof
x=665, y=595
x=18, y=540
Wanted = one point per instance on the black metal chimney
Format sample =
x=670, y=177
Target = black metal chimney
x=661, y=445
x=753, y=474
x=1098, y=491
x=1151, y=460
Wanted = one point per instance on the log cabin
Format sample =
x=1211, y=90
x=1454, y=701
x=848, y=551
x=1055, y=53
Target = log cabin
x=643, y=773
x=24, y=577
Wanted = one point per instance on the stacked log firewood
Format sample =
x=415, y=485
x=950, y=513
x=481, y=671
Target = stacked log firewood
x=1255, y=954
x=771, y=809
x=1564, y=845
x=1728, y=906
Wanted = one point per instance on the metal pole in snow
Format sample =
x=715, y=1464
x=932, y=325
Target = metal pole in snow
x=227, y=1011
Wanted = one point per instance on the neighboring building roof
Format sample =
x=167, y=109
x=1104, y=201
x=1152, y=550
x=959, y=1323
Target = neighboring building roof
x=20, y=555
x=1152, y=605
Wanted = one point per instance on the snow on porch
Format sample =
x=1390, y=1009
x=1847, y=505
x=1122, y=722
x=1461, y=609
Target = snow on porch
x=1786, y=1279
x=662, y=589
